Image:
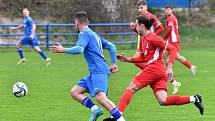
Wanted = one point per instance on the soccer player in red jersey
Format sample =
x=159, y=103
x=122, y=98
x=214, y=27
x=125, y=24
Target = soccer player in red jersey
x=142, y=9
x=173, y=37
x=154, y=74
x=157, y=27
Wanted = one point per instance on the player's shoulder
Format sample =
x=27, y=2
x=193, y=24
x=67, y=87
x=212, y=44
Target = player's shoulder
x=150, y=15
x=84, y=32
x=171, y=18
x=151, y=37
x=29, y=19
x=87, y=32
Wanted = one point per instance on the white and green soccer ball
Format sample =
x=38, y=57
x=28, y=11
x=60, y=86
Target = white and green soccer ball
x=20, y=89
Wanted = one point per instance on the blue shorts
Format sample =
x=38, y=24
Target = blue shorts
x=28, y=41
x=95, y=83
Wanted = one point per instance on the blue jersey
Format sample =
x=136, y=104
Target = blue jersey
x=93, y=51
x=28, y=25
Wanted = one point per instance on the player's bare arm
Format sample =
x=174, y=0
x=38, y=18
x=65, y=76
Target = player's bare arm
x=17, y=27
x=122, y=57
x=57, y=48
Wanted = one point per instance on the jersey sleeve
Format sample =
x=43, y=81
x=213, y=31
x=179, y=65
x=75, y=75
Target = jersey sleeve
x=157, y=22
x=30, y=21
x=82, y=39
x=170, y=22
x=159, y=42
x=104, y=42
x=111, y=48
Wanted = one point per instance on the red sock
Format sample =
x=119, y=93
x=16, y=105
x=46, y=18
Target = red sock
x=177, y=100
x=187, y=64
x=125, y=99
x=140, y=65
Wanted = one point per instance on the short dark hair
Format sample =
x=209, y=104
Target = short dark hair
x=81, y=17
x=146, y=21
x=169, y=6
x=142, y=2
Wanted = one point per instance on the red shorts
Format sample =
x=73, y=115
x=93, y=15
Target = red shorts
x=154, y=75
x=176, y=45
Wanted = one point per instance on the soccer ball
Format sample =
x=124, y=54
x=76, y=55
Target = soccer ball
x=20, y=89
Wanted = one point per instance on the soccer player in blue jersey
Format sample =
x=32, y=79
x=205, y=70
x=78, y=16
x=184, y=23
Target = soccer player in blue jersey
x=96, y=83
x=29, y=38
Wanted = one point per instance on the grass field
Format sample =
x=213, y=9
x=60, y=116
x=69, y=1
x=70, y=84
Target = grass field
x=49, y=99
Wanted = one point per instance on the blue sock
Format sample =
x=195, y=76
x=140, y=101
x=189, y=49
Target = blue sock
x=88, y=103
x=42, y=54
x=19, y=50
x=115, y=113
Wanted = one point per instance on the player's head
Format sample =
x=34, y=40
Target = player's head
x=81, y=18
x=25, y=12
x=142, y=7
x=144, y=24
x=168, y=10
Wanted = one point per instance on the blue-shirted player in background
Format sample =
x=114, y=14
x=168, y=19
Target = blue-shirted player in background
x=29, y=38
x=96, y=83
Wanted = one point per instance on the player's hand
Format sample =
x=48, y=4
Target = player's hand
x=133, y=25
x=114, y=68
x=57, y=48
x=13, y=28
x=122, y=57
x=169, y=72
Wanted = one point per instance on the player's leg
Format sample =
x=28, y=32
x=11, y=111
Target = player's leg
x=174, y=82
x=42, y=54
x=142, y=79
x=176, y=85
x=77, y=93
x=160, y=90
x=19, y=45
x=99, y=90
x=125, y=99
x=165, y=57
x=184, y=61
x=127, y=96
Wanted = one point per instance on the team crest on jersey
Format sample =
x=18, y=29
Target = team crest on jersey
x=145, y=52
x=147, y=45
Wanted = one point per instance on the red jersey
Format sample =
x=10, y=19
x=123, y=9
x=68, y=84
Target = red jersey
x=173, y=23
x=151, y=48
x=156, y=23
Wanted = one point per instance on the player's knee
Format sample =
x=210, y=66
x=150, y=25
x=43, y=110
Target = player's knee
x=162, y=102
x=99, y=97
x=17, y=45
x=73, y=94
x=37, y=49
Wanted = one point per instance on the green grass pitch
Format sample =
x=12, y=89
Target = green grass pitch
x=49, y=98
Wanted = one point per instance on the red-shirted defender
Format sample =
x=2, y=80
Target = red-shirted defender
x=157, y=28
x=173, y=38
x=154, y=74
